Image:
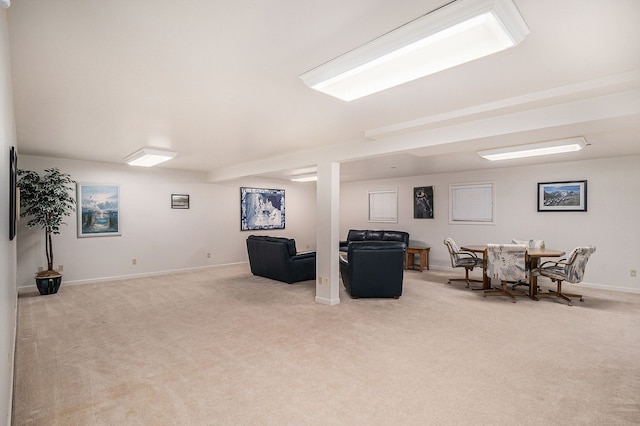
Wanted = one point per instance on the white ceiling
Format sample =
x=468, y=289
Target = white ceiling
x=217, y=81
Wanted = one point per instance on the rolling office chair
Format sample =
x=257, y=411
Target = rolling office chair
x=462, y=259
x=506, y=262
x=529, y=244
x=570, y=270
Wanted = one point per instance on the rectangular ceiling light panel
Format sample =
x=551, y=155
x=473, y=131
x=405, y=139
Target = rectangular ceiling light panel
x=147, y=157
x=534, y=149
x=452, y=35
x=309, y=177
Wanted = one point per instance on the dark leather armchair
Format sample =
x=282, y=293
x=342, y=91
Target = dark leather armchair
x=276, y=258
x=373, y=269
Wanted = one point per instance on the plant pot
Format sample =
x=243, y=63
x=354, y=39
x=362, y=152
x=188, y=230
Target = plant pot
x=48, y=285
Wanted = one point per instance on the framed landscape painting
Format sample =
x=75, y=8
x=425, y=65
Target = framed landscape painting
x=99, y=207
x=568, y=196
x=179, y=201
x=261, y=209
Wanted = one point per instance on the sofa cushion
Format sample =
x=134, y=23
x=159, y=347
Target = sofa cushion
x=393, y=236
x=374, y=235
x=356, y=235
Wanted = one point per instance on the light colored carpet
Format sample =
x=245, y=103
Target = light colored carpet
x=222, y=347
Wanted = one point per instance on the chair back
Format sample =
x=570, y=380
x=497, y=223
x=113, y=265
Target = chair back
x=529, y=243
x=374, y=269
x=577, y=263
x=506, y=262
x=453, y=251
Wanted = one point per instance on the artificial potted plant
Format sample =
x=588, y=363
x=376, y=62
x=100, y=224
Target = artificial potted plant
x=46, y=200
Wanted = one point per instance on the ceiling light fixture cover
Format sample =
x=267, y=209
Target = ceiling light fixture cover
x=148, y=157
x=535, y=149
x=309, y=177
x=459, y=32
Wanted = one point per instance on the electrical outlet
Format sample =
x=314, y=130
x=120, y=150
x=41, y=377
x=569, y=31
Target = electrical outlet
x=326, y=281
x=208, y=255
x=60, y=268
x=634, y=273
x=134, y=261
x=40, y=269
x=319, y=280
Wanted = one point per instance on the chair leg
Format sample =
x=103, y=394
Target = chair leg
x=560, y=294
x=504, y=291
x=466, y=279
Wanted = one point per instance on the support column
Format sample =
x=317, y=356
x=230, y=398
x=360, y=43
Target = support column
x=327, y=234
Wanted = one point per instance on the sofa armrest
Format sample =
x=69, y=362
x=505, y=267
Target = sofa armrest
x=303, y=266
x=304, y=255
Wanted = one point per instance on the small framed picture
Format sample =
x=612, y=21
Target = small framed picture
x=423, y=202
x=179, y=201
x=568, y=196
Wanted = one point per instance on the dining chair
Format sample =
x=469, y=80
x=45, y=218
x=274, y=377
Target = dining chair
x=570, y=270
x=530, y=244
x=462, y=259
x=506, y=262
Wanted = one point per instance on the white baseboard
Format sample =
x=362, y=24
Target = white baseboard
x=128, y=277
x=325, y=301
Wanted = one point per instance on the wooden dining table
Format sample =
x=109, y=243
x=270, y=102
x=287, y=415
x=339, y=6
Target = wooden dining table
x=533, y=257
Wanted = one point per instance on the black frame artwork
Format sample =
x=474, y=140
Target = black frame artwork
x=566, y=196
x=423, y=202
x=179, y=201
x=13, y=197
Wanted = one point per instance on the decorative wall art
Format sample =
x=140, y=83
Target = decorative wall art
x=423, y=202
x=261, y=209
x=179, y=201
x=13, y=198
x=568, y=196
x=100, y=210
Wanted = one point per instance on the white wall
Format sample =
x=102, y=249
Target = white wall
x=161, y=239
x=8, y=293
x=611, y=222
x=165, y=240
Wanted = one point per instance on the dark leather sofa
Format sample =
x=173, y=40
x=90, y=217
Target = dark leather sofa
x=276, y=258
x=373, y=236
x=373, y=269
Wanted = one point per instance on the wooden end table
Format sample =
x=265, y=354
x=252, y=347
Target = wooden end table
x=410, y=258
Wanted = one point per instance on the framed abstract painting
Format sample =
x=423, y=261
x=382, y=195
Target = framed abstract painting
x=261, y=209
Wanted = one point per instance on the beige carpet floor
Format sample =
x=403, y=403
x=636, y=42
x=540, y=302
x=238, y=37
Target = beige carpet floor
x=222, y=347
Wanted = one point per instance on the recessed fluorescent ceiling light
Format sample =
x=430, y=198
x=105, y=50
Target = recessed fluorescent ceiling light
x=147, y=157
x=459, y=32
x=535, y=149
x=310, y=177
